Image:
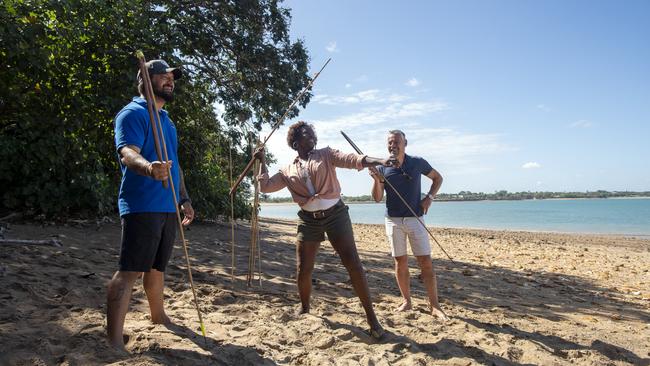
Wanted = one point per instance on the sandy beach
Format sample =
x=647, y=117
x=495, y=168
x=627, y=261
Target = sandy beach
x=514, y=298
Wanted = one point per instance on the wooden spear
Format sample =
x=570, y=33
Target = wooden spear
x=275, y=127
x=144, y=73
x=158, y=126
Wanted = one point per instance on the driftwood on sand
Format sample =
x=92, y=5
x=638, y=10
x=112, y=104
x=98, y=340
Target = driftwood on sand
x=48, y=242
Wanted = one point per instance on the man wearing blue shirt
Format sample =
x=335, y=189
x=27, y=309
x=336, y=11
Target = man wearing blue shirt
x=146, y=208
x=400, y=221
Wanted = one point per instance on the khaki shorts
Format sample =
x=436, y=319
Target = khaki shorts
x=336, y=224
x=399, y=228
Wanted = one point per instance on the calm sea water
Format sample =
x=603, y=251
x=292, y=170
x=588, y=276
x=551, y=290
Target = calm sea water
x=603, y=216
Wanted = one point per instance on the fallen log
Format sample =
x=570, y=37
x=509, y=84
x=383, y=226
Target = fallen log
x=49, y=242
x=11, y=216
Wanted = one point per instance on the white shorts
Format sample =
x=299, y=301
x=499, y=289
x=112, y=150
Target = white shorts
x=399, y=228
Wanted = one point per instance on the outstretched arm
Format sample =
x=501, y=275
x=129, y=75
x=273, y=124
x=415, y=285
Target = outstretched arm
x=357, y=161
x=267, y=185
x=372, y=162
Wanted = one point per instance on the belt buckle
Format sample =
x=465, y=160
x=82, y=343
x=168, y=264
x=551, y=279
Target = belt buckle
x=318, y=214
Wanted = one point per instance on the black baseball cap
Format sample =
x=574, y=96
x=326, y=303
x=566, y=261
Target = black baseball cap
x=156, y=67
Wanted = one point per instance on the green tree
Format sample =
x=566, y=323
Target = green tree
x=67, y=67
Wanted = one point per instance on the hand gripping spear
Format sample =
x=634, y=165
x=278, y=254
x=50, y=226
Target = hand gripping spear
x=275, y=127
x=354, y=146
x=159, y=136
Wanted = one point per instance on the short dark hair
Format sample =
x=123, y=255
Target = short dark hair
x=397, y=132
x=293, y=129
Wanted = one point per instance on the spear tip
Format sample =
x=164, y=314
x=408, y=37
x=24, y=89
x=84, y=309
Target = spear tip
x=203, y=332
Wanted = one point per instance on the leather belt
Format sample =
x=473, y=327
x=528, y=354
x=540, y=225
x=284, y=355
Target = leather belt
x=323, y=213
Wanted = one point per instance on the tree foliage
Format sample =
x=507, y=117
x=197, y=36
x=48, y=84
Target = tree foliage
x=67, y=67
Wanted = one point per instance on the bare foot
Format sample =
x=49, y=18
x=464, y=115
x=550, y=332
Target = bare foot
x=118, y=344
x=118, y=347
x=438, y=313
x=406, y=305
x=377, y=332
x=162, y=319
x=302, y=310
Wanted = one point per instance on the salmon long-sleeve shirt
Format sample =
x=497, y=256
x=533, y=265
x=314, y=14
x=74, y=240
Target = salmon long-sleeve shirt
x=321, y=165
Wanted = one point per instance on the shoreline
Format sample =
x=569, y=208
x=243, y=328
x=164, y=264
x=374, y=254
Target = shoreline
x=485, y=200
x=472, y=228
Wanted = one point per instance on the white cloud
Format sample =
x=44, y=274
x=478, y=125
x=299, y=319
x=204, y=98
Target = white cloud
x=393, y=113
x=456, y=152
x=413, y=82
x=531, y=165
x=331, y=47
x=365, y=96
x=367, y=117
x=361, y=78
x=452, y=151
x=543, y=107
x=348, y=85
x=581, y=124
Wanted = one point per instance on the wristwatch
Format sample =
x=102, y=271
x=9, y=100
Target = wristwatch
x=430, y=196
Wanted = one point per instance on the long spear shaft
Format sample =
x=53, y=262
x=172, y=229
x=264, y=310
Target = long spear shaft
x=354, y=146
x=275, y=127
x=151, y=101
x=232, y=220
x=150, y=108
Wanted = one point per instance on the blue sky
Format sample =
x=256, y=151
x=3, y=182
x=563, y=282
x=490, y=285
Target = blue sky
x=514, y=95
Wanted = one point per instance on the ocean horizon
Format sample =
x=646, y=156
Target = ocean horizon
x=618, y=216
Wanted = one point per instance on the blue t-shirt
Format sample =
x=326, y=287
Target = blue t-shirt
x=413, y=167
x=139, y=193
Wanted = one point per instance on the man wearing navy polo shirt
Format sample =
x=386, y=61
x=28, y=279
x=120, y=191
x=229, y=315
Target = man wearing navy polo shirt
x=146, y=208
x=400, y=222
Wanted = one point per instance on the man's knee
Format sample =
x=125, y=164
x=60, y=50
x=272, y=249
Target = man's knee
x=153, y=275
x=121, y=281
x=352, y=263
x=305, y=267
x=153, y=280
x=401, y=263
x=127, y=275
x=401, y=260
x=425, y=264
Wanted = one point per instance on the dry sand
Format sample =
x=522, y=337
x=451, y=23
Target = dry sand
x=514, y=298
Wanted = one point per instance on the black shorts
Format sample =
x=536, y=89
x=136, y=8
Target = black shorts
x=147, y=241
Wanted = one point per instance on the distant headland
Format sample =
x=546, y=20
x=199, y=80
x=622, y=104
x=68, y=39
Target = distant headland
x=496, y=196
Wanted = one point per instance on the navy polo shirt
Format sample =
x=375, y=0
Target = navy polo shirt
x=410, y=189
x=139, y=193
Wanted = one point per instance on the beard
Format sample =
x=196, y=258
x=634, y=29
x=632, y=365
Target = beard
x=166, y=96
